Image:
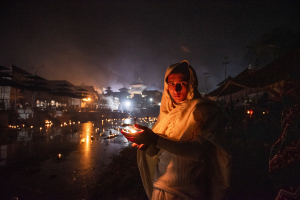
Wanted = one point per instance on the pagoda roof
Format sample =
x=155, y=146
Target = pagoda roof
x=265, y=77
x=138, y=82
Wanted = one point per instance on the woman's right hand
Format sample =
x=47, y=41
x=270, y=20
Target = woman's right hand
x=143, y=147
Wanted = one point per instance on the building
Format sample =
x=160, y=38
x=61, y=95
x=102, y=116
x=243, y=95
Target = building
x=5, y=77
x=135, y=100
x=137, y=87
x=250, y=86
x=88, y=96
x=151, y=97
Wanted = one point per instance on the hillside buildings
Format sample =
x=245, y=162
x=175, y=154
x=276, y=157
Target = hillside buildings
x=21, y=90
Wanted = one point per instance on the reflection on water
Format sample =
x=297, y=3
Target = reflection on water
x=18, y=145
x=57, y=162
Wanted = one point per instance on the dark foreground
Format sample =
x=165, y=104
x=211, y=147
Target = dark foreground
x=250, y=180
x=82, y=173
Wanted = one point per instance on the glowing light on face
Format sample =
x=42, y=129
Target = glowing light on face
x=178, y=87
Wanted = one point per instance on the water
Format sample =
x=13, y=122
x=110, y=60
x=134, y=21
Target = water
x=55, y=163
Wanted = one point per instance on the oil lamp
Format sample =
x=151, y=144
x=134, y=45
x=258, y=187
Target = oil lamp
x=131, y=131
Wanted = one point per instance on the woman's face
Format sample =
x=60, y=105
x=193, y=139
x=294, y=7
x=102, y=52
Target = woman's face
x=178, y=87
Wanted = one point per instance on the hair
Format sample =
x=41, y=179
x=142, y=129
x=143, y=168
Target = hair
x=182, y=68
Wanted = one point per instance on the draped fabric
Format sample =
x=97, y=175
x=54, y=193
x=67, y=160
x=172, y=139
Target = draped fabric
x=177, y=122
x=284, y=163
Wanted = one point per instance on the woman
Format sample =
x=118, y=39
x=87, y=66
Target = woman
x=183, y=156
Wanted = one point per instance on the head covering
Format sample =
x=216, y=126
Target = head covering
x=178, y=123
x=193, y=93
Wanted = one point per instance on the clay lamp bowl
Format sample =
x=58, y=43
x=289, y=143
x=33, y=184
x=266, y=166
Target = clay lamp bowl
x=131, y=131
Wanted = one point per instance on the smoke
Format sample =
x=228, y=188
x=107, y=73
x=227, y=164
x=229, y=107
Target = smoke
x=115, y=43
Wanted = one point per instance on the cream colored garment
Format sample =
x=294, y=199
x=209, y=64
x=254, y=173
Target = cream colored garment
x=183, y=128
x=160, y=194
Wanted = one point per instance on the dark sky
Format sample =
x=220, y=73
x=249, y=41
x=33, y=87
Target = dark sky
x=113, y=43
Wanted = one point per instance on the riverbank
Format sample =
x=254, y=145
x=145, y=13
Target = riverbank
x=120, y=179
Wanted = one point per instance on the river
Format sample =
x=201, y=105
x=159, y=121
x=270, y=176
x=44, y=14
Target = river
x=55, y=163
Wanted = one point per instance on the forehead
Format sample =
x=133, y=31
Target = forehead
x=176, y=77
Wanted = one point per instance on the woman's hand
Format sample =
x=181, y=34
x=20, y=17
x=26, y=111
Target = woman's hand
x=145, y=137
x=143, y=147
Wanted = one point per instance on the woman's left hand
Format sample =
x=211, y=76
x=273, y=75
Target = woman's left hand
x=145, y=137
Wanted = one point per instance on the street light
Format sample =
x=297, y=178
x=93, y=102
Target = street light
x=225, y=62
x=151, y=102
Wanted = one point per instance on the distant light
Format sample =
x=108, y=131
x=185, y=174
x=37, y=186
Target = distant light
x=150, y=99
x=127, y=121
x=127, y=103
x=159, y=104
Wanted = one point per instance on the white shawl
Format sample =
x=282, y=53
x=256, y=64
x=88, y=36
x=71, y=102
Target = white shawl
x=184, y=128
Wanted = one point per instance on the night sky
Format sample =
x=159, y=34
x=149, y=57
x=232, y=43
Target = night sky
x=113, y=43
